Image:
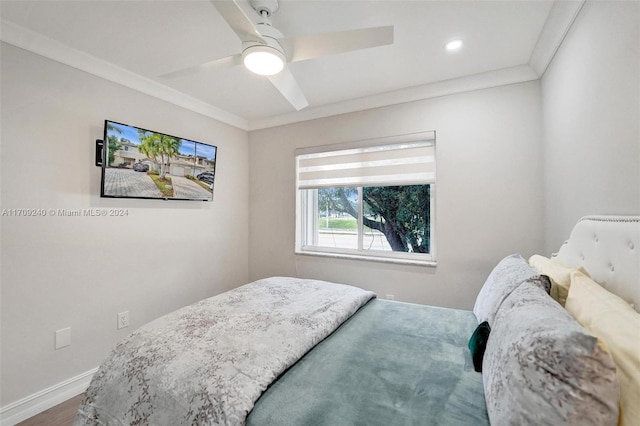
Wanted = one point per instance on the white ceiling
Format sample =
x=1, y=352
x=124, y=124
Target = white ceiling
x=134, y=42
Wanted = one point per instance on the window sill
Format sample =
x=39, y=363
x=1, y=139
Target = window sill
x=397, y=261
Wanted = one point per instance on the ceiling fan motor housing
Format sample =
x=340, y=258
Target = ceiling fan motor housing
x=271, y=44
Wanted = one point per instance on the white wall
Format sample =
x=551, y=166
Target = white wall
x=591, y=116
x=79, y=272
x=489, y=192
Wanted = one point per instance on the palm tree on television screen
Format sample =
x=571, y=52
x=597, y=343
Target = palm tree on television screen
x=158, y=147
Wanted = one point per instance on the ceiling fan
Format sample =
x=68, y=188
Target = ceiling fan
x=265, y=50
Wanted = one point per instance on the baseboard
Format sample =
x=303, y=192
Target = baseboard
x=40, y=401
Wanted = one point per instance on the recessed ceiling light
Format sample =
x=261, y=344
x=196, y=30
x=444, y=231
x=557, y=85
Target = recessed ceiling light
x=453, y=45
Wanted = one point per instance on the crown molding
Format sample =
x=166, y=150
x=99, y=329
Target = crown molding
x=560, y=19
x=469, y=83
x=32, y=41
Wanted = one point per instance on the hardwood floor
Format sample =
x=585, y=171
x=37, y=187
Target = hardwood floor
x=60, y=415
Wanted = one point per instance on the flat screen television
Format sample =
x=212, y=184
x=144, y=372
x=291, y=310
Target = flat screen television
x=140, y=163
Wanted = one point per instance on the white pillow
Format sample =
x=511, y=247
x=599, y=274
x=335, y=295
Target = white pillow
x=559, y=275
x=505, y=277
x=614, y=321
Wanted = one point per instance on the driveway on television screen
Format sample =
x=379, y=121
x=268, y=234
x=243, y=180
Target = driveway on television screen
x=128, y=183
x=185, y=188
x=206, y=177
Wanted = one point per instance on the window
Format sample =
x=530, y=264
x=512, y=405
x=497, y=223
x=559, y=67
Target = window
x=368, y=200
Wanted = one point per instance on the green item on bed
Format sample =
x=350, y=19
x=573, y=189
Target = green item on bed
x=478, y=343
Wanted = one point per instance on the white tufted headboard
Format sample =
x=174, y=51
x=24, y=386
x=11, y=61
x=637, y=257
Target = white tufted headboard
x=608, y=248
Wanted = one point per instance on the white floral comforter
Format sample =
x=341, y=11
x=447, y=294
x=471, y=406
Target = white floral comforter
x=207, y=364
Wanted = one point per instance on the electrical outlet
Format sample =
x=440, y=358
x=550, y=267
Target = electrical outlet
x=123, y=320
x=390, y=297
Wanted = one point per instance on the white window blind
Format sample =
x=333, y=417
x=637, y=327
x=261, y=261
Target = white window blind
x=410, y=163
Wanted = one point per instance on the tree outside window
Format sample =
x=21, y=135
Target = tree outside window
x=399, y=214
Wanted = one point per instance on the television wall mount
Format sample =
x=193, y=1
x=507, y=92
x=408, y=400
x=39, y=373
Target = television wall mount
x=99, y=152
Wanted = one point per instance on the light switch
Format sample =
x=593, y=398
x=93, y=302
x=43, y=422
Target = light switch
x=63, y=337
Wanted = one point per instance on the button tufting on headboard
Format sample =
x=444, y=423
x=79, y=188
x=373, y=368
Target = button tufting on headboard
x=605, y=247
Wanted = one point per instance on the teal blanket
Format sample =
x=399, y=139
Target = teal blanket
x=391, y=363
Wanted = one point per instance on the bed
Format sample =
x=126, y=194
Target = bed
x=288, y=351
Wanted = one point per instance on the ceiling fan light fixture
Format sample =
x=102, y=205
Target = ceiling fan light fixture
x=263, y=60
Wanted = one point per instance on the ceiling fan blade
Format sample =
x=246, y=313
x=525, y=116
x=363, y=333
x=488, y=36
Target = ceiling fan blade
x=287, y=85
x=227, y=62
x=313, y=46
x=239, y=22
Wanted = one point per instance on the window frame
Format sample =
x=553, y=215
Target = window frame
x=307, y=220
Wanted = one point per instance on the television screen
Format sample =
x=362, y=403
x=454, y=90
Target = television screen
x=140, y=163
